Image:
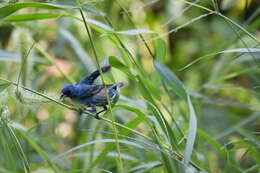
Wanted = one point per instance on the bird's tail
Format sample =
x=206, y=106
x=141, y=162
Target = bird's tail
x=117, y=85
x=105, y=69
x=120, y=84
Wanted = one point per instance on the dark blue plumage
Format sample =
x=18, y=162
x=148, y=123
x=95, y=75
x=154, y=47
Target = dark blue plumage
x=92, y=95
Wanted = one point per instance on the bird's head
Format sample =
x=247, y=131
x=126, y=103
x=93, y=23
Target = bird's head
x=68, y=91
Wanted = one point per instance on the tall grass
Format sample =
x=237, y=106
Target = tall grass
x=177, y=113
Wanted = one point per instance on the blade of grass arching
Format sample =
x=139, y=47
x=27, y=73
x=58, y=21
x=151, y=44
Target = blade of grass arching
x=39, y=150
x=211, y=55
x=78, y=49
x=96, y=25
x=119, y=160
x=12, y=8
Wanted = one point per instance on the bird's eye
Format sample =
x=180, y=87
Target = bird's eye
x=69, y=92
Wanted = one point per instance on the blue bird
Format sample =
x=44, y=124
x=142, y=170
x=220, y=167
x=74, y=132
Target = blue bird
x=91, y=95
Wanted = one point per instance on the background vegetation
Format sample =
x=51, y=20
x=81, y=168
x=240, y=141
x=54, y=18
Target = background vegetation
x=191, y=99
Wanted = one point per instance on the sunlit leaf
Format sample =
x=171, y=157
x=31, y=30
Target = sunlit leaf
x=12, y=8
x=160, y=50
x=171, y=79
x=135, y=32
x=192, y=133
x=33, y=16
x=115, y=62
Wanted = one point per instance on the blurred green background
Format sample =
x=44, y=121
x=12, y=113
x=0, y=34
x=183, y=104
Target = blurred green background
x=165, y=52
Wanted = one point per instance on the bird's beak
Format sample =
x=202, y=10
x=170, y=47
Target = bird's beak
x=62, y=97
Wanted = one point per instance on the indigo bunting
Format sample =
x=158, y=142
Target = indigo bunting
x=91, y=95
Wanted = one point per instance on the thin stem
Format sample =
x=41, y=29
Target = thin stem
x=140, y=35
x=107, y=96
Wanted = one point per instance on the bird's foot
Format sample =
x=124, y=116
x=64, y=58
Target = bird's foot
x=97, y=114
x=97, y=117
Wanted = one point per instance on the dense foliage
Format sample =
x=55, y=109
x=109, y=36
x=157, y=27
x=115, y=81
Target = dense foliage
x=192, y=85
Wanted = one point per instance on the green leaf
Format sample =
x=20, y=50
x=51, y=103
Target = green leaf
x=143, y=117
x=3, y=86
x=34, y=16
x=171, y=79
x=12, y=8
x=192, y=133
x=114, y=61
x=160, y=50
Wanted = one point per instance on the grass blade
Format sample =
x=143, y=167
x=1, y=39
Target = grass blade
x=192, y=133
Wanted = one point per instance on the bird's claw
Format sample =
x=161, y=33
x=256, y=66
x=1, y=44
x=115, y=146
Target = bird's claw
x=97, y=116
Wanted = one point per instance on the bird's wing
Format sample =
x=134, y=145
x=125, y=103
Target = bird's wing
x=88, y=90
x=91, y=90
x=89, y=79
